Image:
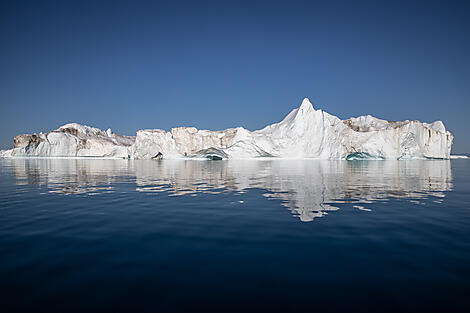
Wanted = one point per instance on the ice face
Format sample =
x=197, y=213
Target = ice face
x=305, y=132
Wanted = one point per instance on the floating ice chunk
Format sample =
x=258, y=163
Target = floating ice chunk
x=305, y=132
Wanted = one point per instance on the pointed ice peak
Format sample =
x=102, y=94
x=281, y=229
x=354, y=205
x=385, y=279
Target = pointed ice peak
x=306, y=101
x=306, y=104
x=297, y=113
x=305, y=108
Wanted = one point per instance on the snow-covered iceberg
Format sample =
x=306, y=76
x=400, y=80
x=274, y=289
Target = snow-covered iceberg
x=304, y=133
x=72, y=140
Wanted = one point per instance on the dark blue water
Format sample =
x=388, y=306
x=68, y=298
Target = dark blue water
x=158, y=236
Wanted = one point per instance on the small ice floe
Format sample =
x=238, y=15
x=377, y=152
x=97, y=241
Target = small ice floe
x=360, y=207
x=240, y=201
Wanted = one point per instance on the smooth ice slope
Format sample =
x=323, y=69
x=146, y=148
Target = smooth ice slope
x=303, y=133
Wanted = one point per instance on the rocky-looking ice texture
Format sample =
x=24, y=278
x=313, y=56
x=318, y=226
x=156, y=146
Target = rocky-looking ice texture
x=303, y=133
x=72, y=140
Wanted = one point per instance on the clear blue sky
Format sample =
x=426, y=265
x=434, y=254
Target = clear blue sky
x=133, y=65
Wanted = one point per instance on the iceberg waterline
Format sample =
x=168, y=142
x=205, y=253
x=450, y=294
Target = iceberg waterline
x=304, y=133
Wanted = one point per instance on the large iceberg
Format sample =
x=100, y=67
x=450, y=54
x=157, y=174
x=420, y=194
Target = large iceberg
x=304, y=133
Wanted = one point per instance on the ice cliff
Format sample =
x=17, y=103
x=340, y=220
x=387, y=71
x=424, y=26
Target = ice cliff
x=304, y=133
x=72, y=140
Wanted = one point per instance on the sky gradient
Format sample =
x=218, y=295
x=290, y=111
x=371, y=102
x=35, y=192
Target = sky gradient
x=131, y=65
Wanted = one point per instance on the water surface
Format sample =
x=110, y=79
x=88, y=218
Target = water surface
x=123, y=235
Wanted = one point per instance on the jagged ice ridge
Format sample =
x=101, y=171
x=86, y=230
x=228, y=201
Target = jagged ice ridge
x=304, y=133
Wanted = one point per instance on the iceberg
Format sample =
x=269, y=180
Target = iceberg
x=72, y=140
x=305, y=132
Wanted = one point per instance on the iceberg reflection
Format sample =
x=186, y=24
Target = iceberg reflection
x=309, y=188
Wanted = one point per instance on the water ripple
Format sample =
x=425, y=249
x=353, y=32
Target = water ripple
x=308, y=188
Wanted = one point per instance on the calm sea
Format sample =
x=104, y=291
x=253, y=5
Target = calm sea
x=84, y=235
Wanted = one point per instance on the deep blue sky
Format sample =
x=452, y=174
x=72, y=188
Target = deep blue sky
x=133, y=65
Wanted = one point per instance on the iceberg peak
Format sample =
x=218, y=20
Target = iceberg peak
x=306, y=104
